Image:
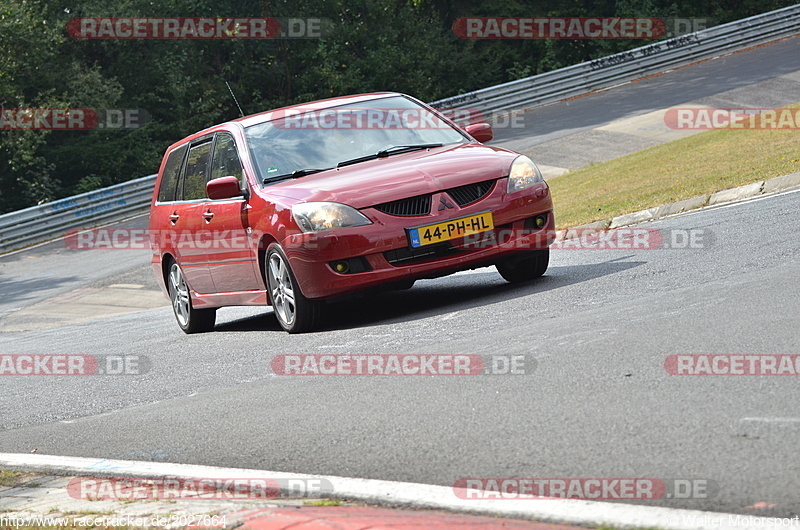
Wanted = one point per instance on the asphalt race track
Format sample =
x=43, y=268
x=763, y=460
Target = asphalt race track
x=595, y=331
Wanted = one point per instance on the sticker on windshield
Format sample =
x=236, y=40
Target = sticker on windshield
x=273, y=169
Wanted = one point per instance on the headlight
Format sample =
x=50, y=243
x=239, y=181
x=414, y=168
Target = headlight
x=523, y=174
x=319, y=216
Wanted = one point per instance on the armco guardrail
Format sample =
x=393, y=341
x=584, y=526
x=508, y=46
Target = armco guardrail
x=51, y=220
x=606, y=72
x=54, y=219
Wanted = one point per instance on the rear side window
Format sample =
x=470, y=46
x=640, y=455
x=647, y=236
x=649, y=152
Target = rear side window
x=194, y=183
x=172, y=169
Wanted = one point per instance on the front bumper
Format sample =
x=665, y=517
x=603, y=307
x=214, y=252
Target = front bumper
x=383, y=247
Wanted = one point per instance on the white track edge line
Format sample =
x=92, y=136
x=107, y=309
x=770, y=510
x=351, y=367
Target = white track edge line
x=403, y=494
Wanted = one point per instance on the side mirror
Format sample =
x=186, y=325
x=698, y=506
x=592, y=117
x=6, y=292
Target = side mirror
x=223, y=188
x=480, y=131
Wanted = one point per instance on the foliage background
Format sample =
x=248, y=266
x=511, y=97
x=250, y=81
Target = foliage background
x=373, y=45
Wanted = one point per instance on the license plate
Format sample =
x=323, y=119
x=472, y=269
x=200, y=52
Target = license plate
x=450, y=229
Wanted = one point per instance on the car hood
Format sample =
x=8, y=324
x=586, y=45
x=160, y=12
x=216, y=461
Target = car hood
x=399, y=176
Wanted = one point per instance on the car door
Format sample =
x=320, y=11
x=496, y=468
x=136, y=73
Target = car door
x=232, y=256
x=190, y=237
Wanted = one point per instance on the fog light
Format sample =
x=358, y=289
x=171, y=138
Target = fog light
x=540, y=220
x=350, y=265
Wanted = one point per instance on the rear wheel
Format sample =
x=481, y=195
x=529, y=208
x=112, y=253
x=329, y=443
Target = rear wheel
x=295, y=312
x=525, y=267
x=189, y=319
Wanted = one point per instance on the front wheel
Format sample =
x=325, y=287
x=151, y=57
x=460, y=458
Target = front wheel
x=295, y=312
x=525, y=267
x=189, y=319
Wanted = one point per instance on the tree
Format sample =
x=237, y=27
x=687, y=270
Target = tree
x=180, y=84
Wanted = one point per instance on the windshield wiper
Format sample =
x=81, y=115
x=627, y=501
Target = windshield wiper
x=296, y=173
x=383, y=153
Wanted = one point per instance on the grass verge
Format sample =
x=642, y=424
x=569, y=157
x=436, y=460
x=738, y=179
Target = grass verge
x=696, y=165
x=10, y=478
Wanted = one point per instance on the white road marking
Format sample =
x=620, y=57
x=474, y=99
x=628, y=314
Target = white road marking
x=749, y=200
x=403, y=494
x=766, y=427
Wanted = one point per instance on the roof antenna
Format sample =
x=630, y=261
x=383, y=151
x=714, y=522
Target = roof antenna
x=234, y=99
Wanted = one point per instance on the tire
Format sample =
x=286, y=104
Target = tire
x=525, y=267
x=189, y=319
x=295, y=312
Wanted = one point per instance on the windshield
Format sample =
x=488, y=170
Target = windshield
x=296, y=144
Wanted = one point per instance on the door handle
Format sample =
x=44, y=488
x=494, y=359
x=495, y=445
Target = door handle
x=174, y=217
x=208, y=215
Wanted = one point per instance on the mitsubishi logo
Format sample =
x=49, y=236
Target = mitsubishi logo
x=444, y=204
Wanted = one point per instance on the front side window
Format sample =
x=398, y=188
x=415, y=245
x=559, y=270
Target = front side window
x=226, y=159
x=194, y=182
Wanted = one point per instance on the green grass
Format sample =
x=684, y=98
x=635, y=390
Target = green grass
x=696, y=165
x=9, y=478
x=324, y=502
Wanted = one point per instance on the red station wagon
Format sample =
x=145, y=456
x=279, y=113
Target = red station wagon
x=300, y=205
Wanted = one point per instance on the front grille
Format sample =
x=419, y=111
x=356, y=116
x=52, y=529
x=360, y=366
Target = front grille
x=470, y=193
x=413, y=206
